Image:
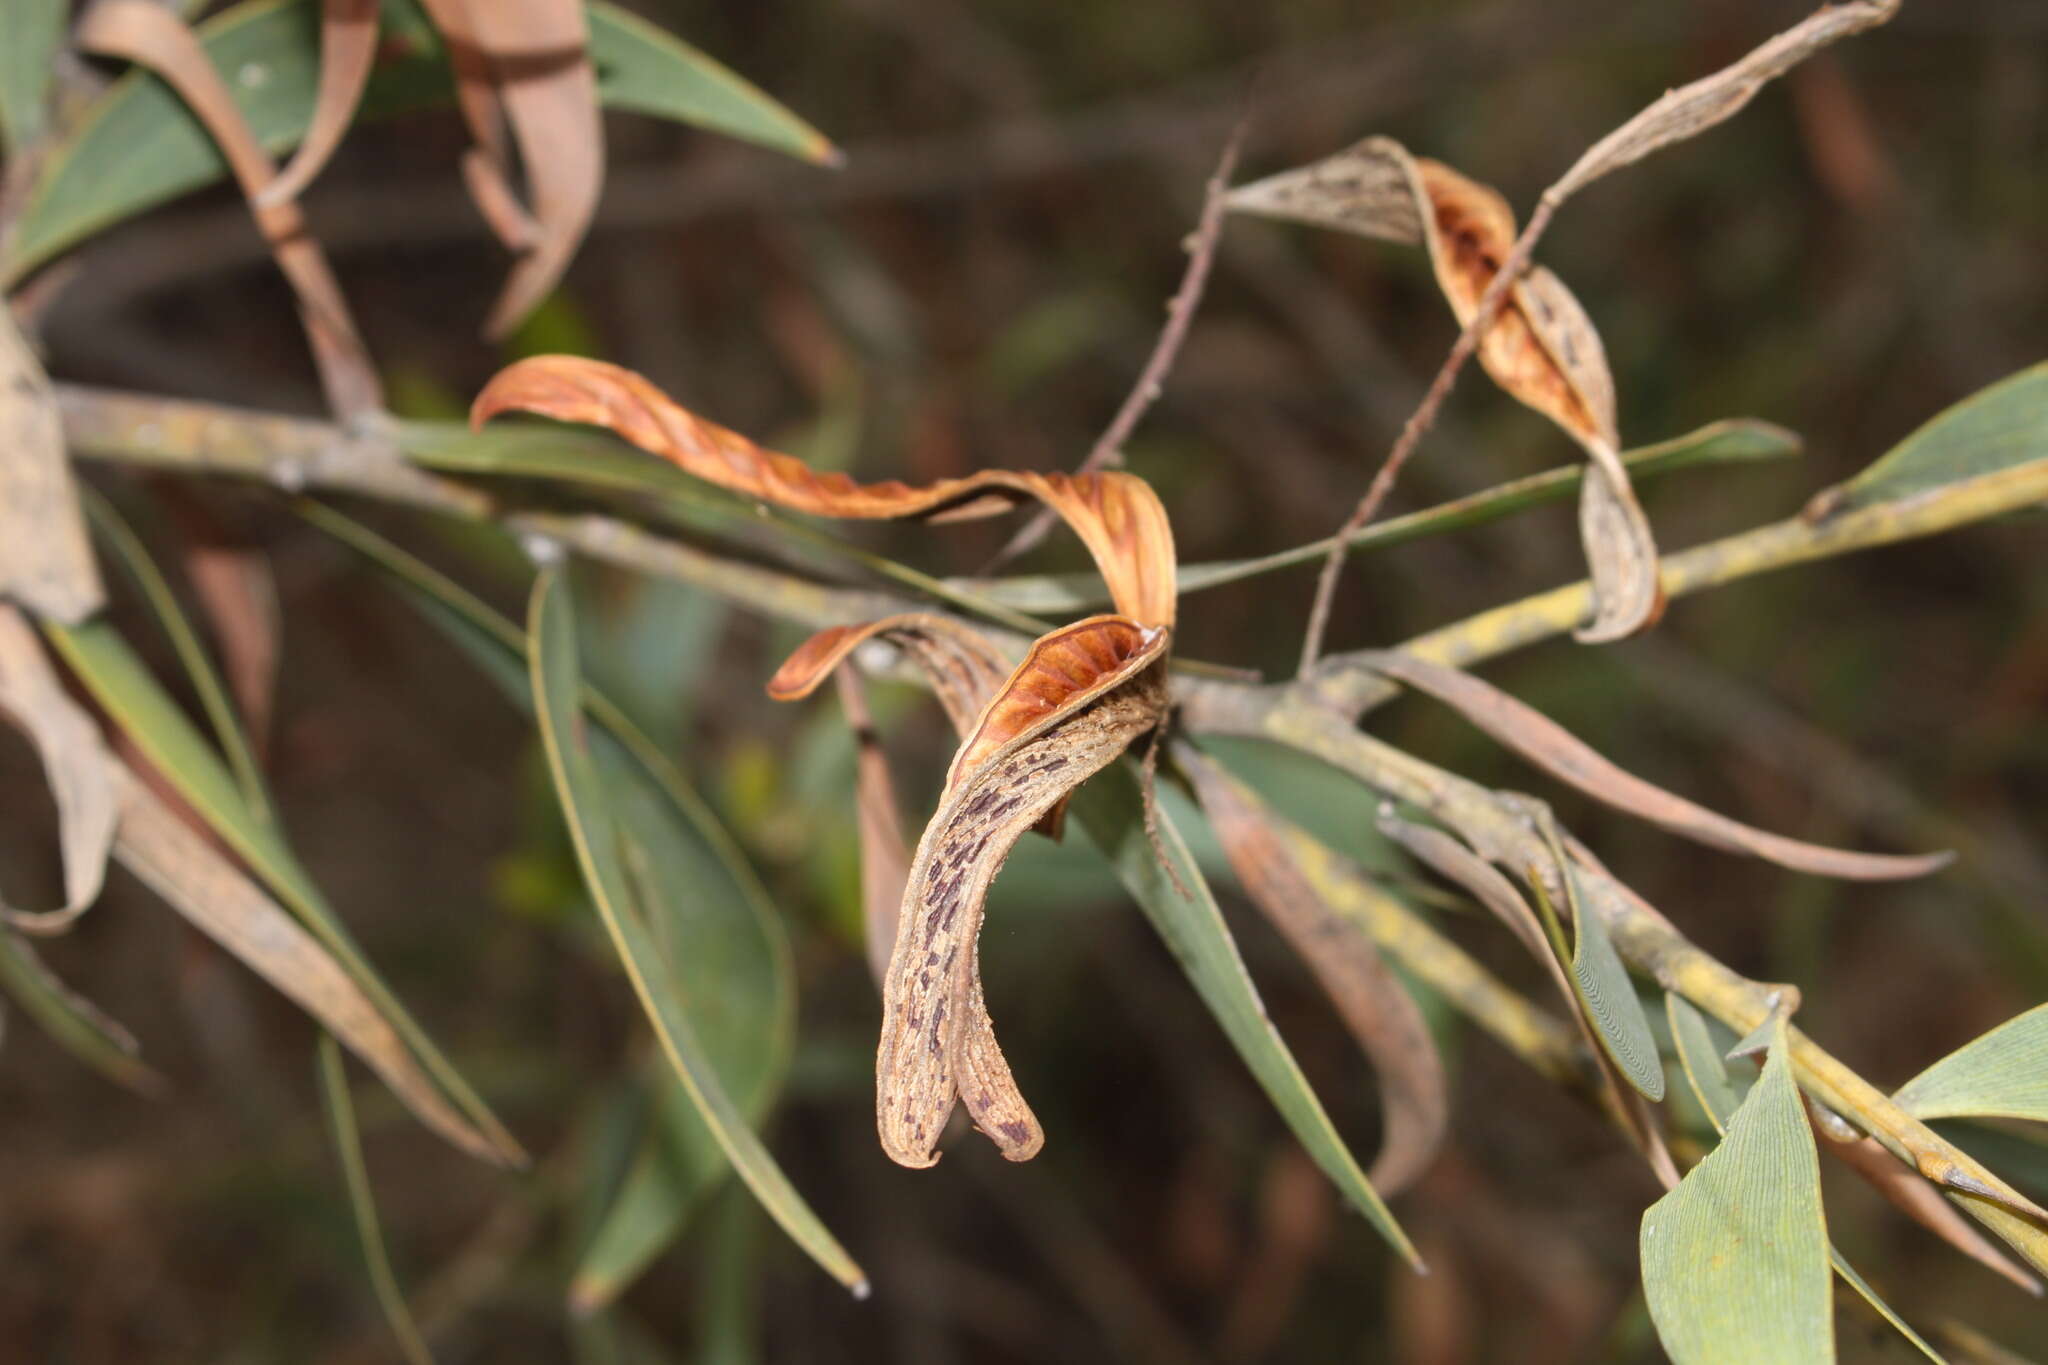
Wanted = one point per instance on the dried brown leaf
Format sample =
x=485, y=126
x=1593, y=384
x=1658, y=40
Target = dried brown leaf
x=1541, y=347
x=928, y=1055
x=884, y=848
x=46, y=560
x=81, y=771
x=1117, y=516
x=348, y=49
x=204, y=886
x=1692, y=109
x=1064, y=671
x=153, y=36
x=1382, y=1016
x=539, y=53
x=1558, y=752
x=964, y=669
x=236, y=590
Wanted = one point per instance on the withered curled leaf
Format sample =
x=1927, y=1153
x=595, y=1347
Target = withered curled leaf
x=348, y=49
x=46, y=562
x=1382, y=1016
x=1563, y=755
x=928, y=1054
x=1051, y=696
x=884, y=849
x=1117, y=516
x=1542, y=348
x=964, y=669
x=154, y=37
x=1064, y=671
x=82, y=772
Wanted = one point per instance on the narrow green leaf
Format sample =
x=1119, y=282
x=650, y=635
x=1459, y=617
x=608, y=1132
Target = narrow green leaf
x=1605, y=989
x=2003, y=1074
x=74, y=1022
x=139, y=145
x=1995, y=428
x=137, y=703
x=1883, y=1309
x=348, y=1149
x=1708, y=1074
x=649, y=71
x=115, y=532
x=1733, y=441
x=1111, y=811
x=586, y=806
x=27, y=61
x=1735, y=1260
x=1705, y=1070
x=712, y=919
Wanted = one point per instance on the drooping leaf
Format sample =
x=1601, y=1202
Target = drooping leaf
x=1994, y=429
x=1693, y=108
x=137, y=703
x=348, y=49
x=46, y=563
x=1382, y=1016
x=538, y=60
x=77, y=1025
x=1735, y=1260
x=1541, y=347
x=884, y=848
x=35, y=30
x=83, y=779
x=1558, y=752
x=362, y=1200
x=1118, y=517
x=128, y=548
x=156, y=39
x=587, y=807
x=1110, y=811
x=963, y=668
x=719, y=935
x=215, y=896
x=2002, y=1074
x=138, y=146
x=930, y=1053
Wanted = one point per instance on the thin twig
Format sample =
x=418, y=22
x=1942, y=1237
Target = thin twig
x=1418, y=425
x=1180, y=313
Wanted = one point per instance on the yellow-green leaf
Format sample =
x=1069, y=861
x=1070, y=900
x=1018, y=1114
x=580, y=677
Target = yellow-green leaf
x=2003, y=1074
x=348, y=1149
x=587, y=806
x=1993, y=429
x=1735, y=1260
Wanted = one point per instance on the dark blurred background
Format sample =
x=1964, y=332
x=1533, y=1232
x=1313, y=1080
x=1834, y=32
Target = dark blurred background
x=979, y=286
